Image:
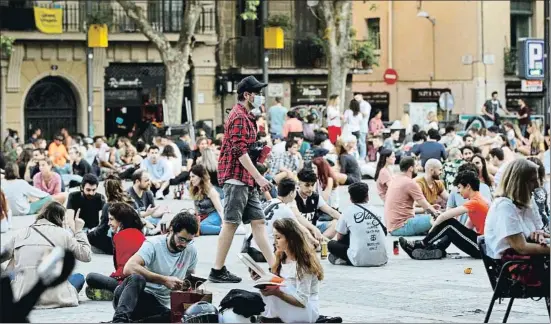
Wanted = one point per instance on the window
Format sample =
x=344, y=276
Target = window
x=521, y=20
x=374, y=31
x=166, y=15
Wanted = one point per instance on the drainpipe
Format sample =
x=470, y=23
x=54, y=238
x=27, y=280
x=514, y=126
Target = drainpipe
x=390, y=38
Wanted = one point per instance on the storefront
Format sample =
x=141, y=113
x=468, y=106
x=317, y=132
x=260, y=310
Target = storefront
x=513, y=92
x=430, y=95
x=129, y=88
x=309, y=94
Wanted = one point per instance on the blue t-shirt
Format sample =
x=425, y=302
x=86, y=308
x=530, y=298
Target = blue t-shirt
x=277, y=118
x=430, y=150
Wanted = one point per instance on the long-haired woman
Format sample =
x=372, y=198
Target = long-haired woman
x=297, y=263
x=26, y=248
x=349, y=168
x=513, y=225
x=327, y=183
x=126, y=224
x=100, y=237
x=383, y=173
x=483, y=173
x=334, y=118
x=353, y=118
x=207, y=201
x=535, y=144
x=210, y=162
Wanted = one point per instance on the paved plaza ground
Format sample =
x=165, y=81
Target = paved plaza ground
x=404, y=290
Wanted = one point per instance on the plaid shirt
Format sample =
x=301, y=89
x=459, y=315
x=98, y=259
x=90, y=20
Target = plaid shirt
x=239, y=135
x=285, y=160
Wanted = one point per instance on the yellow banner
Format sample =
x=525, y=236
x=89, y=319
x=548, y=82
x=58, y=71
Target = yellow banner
x=49, y=21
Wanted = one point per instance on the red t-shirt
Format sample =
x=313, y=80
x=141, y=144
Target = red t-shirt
x=477, y=208
x=125, y=243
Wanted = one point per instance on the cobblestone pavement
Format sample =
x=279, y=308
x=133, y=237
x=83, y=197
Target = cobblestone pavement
x=404, y=290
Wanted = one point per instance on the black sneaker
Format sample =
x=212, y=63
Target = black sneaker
x=333, y=259
x=223, y=276
x=428, y=254
x=407, y=246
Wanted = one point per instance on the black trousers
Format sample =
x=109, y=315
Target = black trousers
x=340, y=248
x=100, y=240
x=132, y=303
x=99, y=281
x=181, y=178
x=127, y=174
x=458, y=234
x=154, y=190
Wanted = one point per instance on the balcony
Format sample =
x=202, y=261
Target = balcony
x=74, y=18
x=510, y=61
x=246, y=52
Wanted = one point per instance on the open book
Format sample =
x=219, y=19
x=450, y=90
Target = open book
x=266, y=279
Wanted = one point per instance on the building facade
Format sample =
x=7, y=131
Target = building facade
x=44, y=80
x=465, y=47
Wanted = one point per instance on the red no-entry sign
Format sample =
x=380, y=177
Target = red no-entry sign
x=390, y=76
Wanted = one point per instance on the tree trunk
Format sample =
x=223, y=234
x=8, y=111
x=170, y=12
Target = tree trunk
x=175, y=79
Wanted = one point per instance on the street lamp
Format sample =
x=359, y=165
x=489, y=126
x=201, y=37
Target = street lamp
x=424, y=14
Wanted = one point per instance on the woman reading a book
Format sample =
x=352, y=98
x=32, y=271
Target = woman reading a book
x=296, y=298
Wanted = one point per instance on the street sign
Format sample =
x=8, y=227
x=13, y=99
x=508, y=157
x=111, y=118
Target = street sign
x=531, y=85
x=446, y=101
x=530, y=59
x=390, y=76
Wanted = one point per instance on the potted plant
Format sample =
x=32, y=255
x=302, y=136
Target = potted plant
x=316, y=49
x=99, y=21
x=274, y=36
x=282, y=21
x=6, y=46
x=364, y=52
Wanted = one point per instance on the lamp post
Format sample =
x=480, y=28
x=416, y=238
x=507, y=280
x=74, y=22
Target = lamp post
x=424, y=14
x=89, y=73
x=265, y=54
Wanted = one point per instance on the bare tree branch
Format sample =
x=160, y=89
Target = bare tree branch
x=139, y=18
x=191, y=14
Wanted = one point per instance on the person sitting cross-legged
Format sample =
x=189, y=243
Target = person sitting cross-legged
x=159, y=267
x=126, y=224
x=447, y=229
x=360, y=233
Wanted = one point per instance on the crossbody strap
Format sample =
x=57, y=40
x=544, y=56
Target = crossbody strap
x=374, y=217
x=44, y=236
x=266, y=211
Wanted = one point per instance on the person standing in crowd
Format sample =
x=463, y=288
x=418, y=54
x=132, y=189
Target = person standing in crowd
x=296, y=262
x=383, y=173
x=334, y=117
x=523, y=116
x=47, y=180
x=159, y=171
x=276, y=117
x=59, y=155
x=353, y=118
x=126, y=226
x=206, y=200
x=143, y=198
x=360, y=233
x=292, y=125
x=87, y=201
x=160, y=266
x=24, y=199
x=400, y=213
x=447, y=229
x=490, y=109
x=238, y=174
x=365, y=109
x=26, y=248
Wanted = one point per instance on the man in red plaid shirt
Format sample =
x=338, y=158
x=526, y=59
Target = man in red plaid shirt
x=237, y=174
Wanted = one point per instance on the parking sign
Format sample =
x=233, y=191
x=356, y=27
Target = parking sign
x=530, y=59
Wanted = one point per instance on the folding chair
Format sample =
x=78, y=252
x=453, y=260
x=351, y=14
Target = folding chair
x=506, y=287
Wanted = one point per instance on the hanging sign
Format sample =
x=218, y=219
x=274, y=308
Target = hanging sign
x=49, y=20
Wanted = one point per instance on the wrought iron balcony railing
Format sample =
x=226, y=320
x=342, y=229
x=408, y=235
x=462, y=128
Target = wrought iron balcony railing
x=75, y=16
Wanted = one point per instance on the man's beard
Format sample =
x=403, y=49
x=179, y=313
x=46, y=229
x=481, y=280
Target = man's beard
x=435, y=177
x=414, y=175
x=173, y=246
x=87, y=196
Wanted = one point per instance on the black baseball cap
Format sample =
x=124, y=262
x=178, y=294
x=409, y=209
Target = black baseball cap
x=250, y=84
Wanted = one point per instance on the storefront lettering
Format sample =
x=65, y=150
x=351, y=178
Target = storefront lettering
x=114, y=83
x=311, y=92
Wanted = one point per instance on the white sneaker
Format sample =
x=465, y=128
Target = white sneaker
x=159, y=195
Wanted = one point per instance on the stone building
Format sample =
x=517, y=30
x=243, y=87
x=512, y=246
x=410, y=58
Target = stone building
x=44, y=82
x=472, y=53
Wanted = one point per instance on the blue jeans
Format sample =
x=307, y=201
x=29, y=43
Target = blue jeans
x=362, y=145
x=212, y=224
x=323, y=226
x=153, y=220
x=418, y=225
x=66, y=169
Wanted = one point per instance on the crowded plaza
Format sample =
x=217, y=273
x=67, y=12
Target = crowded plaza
x=272, y=184
x=275, y=161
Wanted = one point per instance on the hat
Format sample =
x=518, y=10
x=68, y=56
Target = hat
x=250, y=84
